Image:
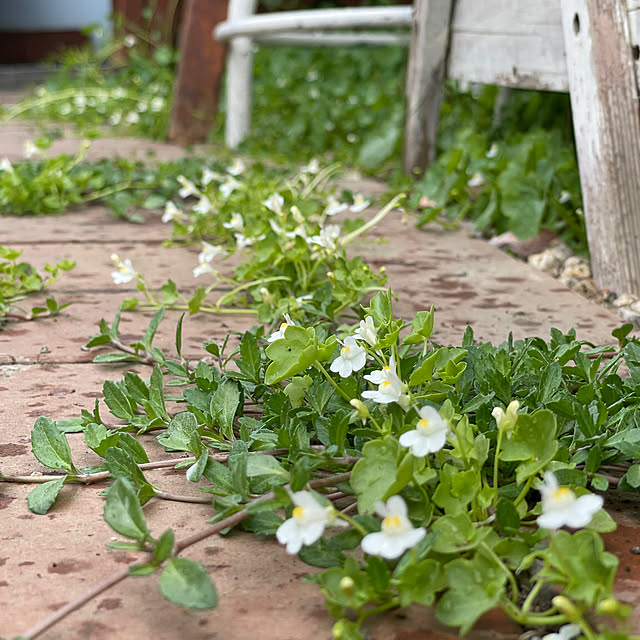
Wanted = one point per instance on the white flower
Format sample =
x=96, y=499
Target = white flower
x=171, y=212
x=327, y=238
x=5, y=165
x=565, y=196
x=312, y=75
x=429, y=435
x=125, y=271
x=209, y=176
x=188, y=188
x=313, y=167
x=30, y=150
x=203, y=206
x=118, y=93
x=279, y=334
x=115, y=118
x=298, y=231
x=274, y=202
x=202, y=268
x=390, y=387
x=210, y=251
x=352, y=358
x=129, y=40
x=236, y=223
x=566, y=632
x=242, y=242
x=367, y=331
x=142, y=106
x=359, y=203
x=476, y=180
x=334, y=206
x=64, y=109
x=307, y=522
x=507, y=421
x=80, y=101
x=132, y=117
x=561, y=507
x=236, y=168
x=157, y=104
x=229, y=186
x=493, y=151
x=397, y=534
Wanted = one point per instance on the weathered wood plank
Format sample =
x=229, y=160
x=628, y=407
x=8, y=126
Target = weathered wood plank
x=425, y=73
x=604, y=101
x=200, y=72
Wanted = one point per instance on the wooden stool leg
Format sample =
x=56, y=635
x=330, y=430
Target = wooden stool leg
x=239, y=74
x=200, y=71
x=604, y=103
x=425, y=75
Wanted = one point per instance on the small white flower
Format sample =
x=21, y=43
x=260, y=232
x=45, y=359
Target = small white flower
x=275, y=227
x=360, y=203
x=64, y=109
x=298, y=231
x=236, y=223
x=5, y=165
x=41, y=91
x=312, y=168
x=237, y=167
x=125, y=271
x=390, y=387
x=80, y=101
x=429, y=435
x=157, y=104
x=314, y=94
x=210, y=252
x=209, y=176
x=142, y=106
x=476, y=180
x=327, y=238
x=493, y=151
x=334, y=206
x=279, y=334
x=203, y=206
x=202, y=268
x=307, y=523
x=30, y=150
x=367, y=331
x=397, y=534
x=129, y=40
x=242, y=242
x=118, y=93
x=352, y=358
x=312, y=76
x=507, y=421
x=188, y=188
x=132, y=117
x=171, y=212
x=352, y=137
x=561, y=507
x=565, y=196
x=274, y=203
x=566, y=632
x=229, y=186
x=115, y=118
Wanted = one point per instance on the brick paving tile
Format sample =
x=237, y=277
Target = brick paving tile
x=47, y=560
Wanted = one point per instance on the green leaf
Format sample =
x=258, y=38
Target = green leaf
x=196, y=302
x=195, y=471
x=182, y=434
x=421, y=582
x=116, y=400
x=250, y=357
x=164, y=547
x=156, y=393
x=260, y=464
x=123, y=513
x=41, y=499
x=238, y=462
x=224, y=404
x=147, y=340
x=375, y=472
x=297, y=389
x=99, y=438
x=290, y=355
x=457, y=533
x=50, y=446
x=507, y=517
x=179, y=335
x=186, y=583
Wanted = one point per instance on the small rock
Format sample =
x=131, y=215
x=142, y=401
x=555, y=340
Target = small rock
x=575, y=268
x=551, y=260
x=624, y=300
x=629, y=315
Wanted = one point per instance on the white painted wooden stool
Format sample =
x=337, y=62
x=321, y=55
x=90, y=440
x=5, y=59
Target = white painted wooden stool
x=315, y=27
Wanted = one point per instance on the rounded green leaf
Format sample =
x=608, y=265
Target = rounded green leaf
x=186, y=583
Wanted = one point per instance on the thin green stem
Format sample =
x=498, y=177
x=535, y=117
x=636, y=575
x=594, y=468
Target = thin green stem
x=523, y=493
x=531, y=596
x=510, y=577
x=496, y=460
x=322, y=370
x=359, y=528
x=373, y=222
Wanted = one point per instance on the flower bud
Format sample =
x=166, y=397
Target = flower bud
x=565, y=606
x=266, y=296
x=361, y=408
x=297, y=216
x=608, y=607
x=347, y=585
x=331, y=276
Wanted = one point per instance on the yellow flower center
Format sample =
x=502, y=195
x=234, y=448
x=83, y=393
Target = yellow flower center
x=123, y=268
x=562, y=493
x=384, y=384
x=283, y=326
x=391, y=524
x=387, y=368
x=345, y=350
x=298, y=513
x=423, y=425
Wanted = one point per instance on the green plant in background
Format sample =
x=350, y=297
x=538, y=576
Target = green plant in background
x=18, y=279
x=509, y=167
x=475, y=459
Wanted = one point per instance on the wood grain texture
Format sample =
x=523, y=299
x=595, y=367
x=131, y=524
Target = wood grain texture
x=604, y=101
x=200, y=72
x=425, y=74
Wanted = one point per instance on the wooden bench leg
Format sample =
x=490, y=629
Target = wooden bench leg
x=239, y=76
x=604, y=102
x=425, y=75
x=200, y=71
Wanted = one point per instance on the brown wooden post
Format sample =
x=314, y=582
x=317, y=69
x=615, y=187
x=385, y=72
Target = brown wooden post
x=200, y=71
x=604, y=102
x=425, y=75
